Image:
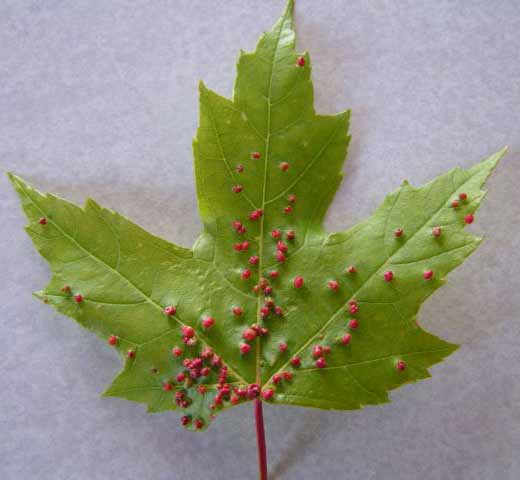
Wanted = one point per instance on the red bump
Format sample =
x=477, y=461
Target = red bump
x=282, y=347
x=298, y=282
x=255, y=155
x=300, y=61
x=284, y=166
x=235, y=400
x=78, y=298
x=237, y=311
x=280, y=257
x=198, y=424
x=278, y=310
x=321, y=362
x=400, y=365
x=436, y=231
x=388, y=275
x=42, y=221
x=202, y=389
x=333, y=285
x=291, y=198
x=353, y=308
x=454, y=203
x=176, y=351
x=237, y=188
x=208, y=322
x=290, y=235
x=249, y=334
x=317, y=351
x=351, y=269
x=267, y=394
x=353, y=323
x=276, y=233
x=253, y=260
x=167, y=387
x=287, y=376
x=246, y=274
x=281, y=246
x=345, y=340
x=239, y=168
x=428, y=275
x=185, y=420
x=296, y=362
x=469, y=219
x=463, y=196
x=113, y=340
x=273, y=274
x=187, y=331
x=398, y=232
x=181, y=377
x=130, y=354
x=66, y=289
x=287, y=209
x=170, y=310
x=245, y=348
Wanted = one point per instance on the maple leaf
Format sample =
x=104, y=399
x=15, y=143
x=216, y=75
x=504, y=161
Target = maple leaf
x=266, y=303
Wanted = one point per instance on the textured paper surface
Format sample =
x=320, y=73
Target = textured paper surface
x=100, y=99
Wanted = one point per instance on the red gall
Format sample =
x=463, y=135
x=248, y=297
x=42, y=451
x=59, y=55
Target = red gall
x=170, y=310
x=296, y=362
x=78, y=298
x=113, y=340
x=42, y=221
x=176, y=351
x=130, y=354
x=278, y=310
x=287, y=209
x=255, y=155
x=353, y=323
x=167, y=387
x=290, y=235
x=239, y=168
x=454, y=203
x=298, y=282
x=282, y=347
x=284, y=166
x=276, y=233
x=428, y=275
x=463, y=196
x=400, y=365
x=202, y=389
x=253, y=260
x=333, y=285
x=345, y=340
x=291, y=198
x=321, y=362
x=436, y=231
x=469, y=219
x=351, y=269
x=398, y=232
x=245, y=274
x=273, y=273
x=237, y=311
x=280, y=257
x=249, y=334
x=300, y=61
x=208, y=322
x=388, y=275
x=267, y=394
x=237, y=188
x=277, y=378
x=287, y=376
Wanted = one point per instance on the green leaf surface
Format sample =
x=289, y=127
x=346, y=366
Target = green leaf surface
x=264, y=151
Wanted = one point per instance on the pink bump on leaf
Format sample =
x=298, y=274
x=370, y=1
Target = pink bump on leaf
x=167, y=387
x=202, y=389
x=398, y=232
x=185, y=420
x=237, y=188
x=264, y=312
x=253, y=391
x=176, y=351
x=245, y=348
x=298, y=282
x=389, y=275
x=181, y=377
x=353, y=323
x=113, y=340
x=205, y=371
x=198, y=424
x=463, y=196
x=66, y=289
x=353, y=308
x=281, y=246
x=273, y=274
x=238, y=247
x=78, y=298
x=428, y=275
x=280, y=257
x=400, y=365
x=245, y=274
x=321, y=362
x=239, y=168
x=333, y=285
x=296, y=362
x=290, y=235
x=249, y=334
x=436, y=231
x=130, y=354
x=42, y=221
x=170, y=310
x=317, y=351
x=245, y=245
x=284, y=166
x=208, y=322
x=291, y=198
x=326, y=349
x=277, y=378
x=207, y=352
x=300, y=61
x=287, y=209
x=187, y=331
x=255, y=214
x=267, y=394
x=253, y=260
x=276, y=233
x=237, y=311
x=255, y=155
x=282, y=347
x=268, y=290
x=345, y=340
x=351, y=269
x=469, y=219
x=454, y=203
x=288, y=376
x=278, y=310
